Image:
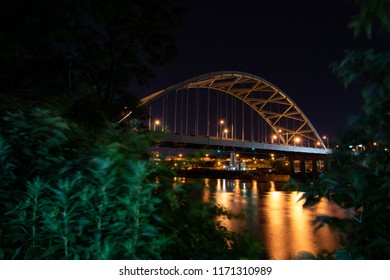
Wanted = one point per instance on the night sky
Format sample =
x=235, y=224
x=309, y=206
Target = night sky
x=289, y=43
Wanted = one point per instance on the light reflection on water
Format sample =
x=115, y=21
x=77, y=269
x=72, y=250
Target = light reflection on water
x=284, y=227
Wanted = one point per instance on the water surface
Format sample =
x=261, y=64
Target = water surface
x=277, y=217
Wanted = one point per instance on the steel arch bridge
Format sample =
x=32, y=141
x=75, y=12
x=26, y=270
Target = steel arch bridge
x=284, y=122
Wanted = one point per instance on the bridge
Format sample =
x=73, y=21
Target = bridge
x=233, y=109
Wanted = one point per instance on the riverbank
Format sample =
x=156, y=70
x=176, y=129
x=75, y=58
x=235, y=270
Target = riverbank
x=257, y=175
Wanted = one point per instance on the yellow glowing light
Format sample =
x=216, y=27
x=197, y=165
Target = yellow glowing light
x=274, y=136
x=157, y=122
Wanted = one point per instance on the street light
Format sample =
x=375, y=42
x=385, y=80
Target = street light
x=274, y=137
x=156, y=122
x=221, y=122
x=297, y=140
x=226, y=132
x=327, y=140
x=219, y=130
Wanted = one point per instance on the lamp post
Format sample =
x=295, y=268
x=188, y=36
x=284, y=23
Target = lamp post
x=296, y=140
x=156, y=123
x=225, y=131
x=327, y=141
x=221, y=123
x=273, y=138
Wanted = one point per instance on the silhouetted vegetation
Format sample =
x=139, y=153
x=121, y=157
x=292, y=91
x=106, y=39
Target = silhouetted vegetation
x=73, y=183
x=358, y=179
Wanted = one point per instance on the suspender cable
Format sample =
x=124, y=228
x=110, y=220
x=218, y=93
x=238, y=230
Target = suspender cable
x=208, y=112
x=242, y=122
x=181, y=111
x=226, y=110
x=258, y=128
x=187, y=114
x=174, y=130
x=252, y=134
x=197, y=113
x=150, y=117
x=235, y=118
x=163, y=112
x=166, y=110
x=231, y=101
x=217, y=122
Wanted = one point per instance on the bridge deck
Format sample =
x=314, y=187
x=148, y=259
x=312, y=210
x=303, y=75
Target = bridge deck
x=235, y=143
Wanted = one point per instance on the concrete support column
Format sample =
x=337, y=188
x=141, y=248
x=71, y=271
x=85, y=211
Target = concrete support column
x=315, y=167
x=291, y=161
x=302, y=166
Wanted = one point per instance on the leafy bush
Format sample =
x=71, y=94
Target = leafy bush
x=358, y=179
x=67, y=194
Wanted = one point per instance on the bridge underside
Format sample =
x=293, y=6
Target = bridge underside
x=188, y=141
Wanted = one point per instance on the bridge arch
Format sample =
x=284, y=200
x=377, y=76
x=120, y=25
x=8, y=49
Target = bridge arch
x=276, y=108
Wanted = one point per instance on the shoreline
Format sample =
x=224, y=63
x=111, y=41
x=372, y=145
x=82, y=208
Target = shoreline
x=257, y=175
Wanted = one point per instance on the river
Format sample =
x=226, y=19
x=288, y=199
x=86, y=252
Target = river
x=283, y=226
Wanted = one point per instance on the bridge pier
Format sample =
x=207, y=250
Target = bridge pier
x=315, y=164
x=306, y=165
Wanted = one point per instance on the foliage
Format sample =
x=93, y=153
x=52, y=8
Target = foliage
x=72, y=184
x=373, y=15
x=358, y=178
x=67, y=197
x=197, y=233
x=64, y=200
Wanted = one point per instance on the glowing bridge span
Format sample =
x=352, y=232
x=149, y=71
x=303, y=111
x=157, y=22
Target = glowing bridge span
x=232, y=109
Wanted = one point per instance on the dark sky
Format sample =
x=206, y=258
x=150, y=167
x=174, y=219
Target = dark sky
x=289, y=43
